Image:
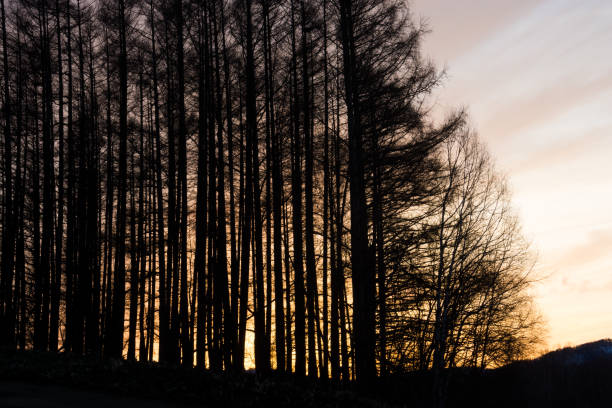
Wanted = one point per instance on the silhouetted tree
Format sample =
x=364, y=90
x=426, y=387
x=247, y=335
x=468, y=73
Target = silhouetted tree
x=226, y=167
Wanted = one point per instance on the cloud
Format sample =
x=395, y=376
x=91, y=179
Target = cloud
x=541, y=106
x=563, y=152
x=485, y=17
x=597, y=247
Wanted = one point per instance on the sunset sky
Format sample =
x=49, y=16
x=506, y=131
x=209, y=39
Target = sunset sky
x=536, y=79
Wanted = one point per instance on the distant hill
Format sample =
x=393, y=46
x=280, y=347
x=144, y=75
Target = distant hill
x=582, y=354
x=579, y=376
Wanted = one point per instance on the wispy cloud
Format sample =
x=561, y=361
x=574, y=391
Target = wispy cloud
x=596, y=248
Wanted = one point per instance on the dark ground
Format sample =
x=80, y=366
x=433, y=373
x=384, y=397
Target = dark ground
x=573, y=377
x=31, y=395
x=35, y=379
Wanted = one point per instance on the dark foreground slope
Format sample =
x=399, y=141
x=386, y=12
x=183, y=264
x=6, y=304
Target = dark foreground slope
x=570, y=377
x=165, y=386
x=19, y=394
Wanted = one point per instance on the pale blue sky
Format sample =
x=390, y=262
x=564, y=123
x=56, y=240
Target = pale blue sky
x=536, y=79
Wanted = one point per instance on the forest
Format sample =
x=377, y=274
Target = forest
x=249, y=184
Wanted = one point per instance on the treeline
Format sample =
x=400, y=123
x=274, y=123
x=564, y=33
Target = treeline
x=251, y=182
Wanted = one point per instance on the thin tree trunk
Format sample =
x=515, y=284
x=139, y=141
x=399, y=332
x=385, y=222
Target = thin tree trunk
x=82, y=254
x=134, y=266
x=268, y=176
x=59, y=231
x=142, y=254
x=326, y=197
x=117, y=320
x=277, y=193
x=161, y=243
x=73, y=337
x=35, y=199
x=311, y=273
x=336, y=250
x=171, y=348
x=215, y=315
x=380, y=260
x=41, y=329
x=93, y=213
x=186, y=345
x=199, y=265
x=296, y=176
x=233, y=243
x=222, y=287
x=7, y=325
x=251, y=134
x=19, y=301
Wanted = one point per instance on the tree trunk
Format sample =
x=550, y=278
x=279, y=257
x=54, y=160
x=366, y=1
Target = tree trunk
x=311, y=272
x=363, y=282
x=247, y=205
x=296, y=181
x=115, y=348
x=186, y=345
x=326, y=198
